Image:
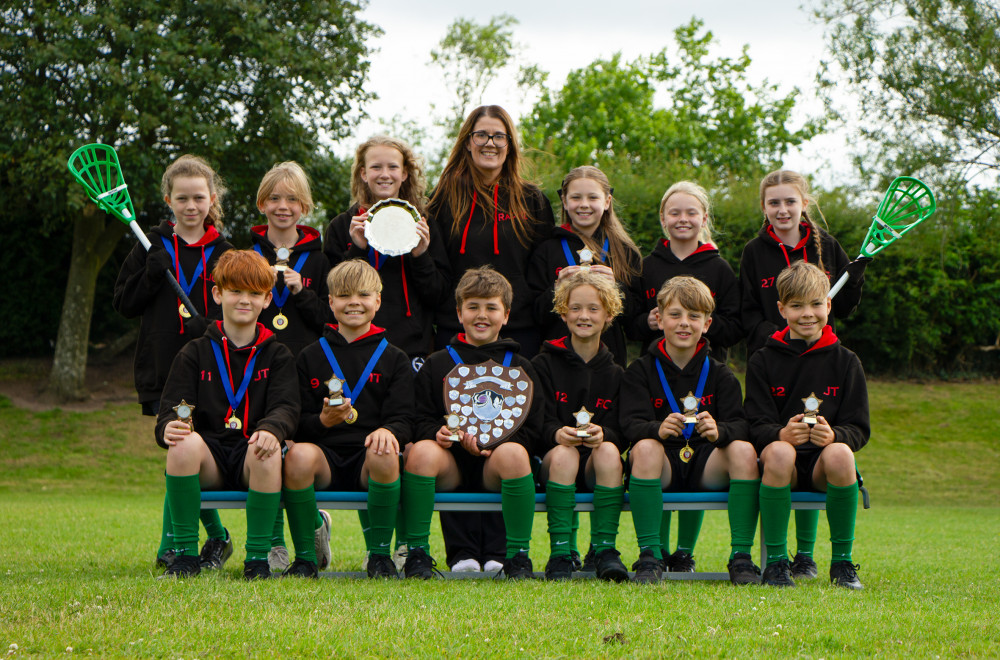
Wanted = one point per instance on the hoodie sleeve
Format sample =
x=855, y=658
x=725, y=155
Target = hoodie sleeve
x=529, y=435
x=731, y=421
x=726, y=329
x=312, y=301
x=545, y=387
x=428, y=399
x=336, y=238
x=752, y=316
x=761, y=410
x=430, y=270
x=397, y=406
x=134, y=290
x=283, y=404
x=853, y=426
x=310, y=429
x=182, y=383
x=846, y=301
x=541, y=283
x=636, y=414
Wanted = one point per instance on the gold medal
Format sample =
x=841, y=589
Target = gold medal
x=686, y=453
x=234, y=423
x=280, y=322
x=352, y=416
x=183, y=311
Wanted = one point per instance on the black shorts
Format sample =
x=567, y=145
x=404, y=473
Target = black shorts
x=805, y=463
x=229, y=459
x=685, y=477
x=345, y=468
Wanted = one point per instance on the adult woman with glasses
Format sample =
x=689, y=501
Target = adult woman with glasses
x=487, y=214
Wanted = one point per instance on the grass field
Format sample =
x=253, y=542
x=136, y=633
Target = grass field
x=80, y=497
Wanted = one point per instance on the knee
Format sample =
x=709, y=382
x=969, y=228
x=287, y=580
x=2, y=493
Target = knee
x=385, y=466
x=563, y=458
x=742, y=458
x=297, y=462
x=607, y=458
x=423, y=457
x=511, y=460
x=839, y=461
x=778, y=457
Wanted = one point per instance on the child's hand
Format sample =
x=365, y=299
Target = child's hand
x=443, y=437
x=293, y=280
x=424, y=232
x=672, y=426
x=357, y=231
x=601, y=269
x=653, y=319
x=795, y=432
x=567, y=271
x=265, y=444
x=706, y=426
x=382, y=441
x=175, y=431
x=822, y=433
x=567, y=436
x=332, y=415
x=596, y=436
x=471, y=445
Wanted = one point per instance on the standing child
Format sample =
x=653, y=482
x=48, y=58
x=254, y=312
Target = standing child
x=228, y=405
x=188, y=246
x=436, y=463
x=682, y=415
x=790, y=234
x=355, y=444
x=575, y=373
x=807, y=402
x=589, y=222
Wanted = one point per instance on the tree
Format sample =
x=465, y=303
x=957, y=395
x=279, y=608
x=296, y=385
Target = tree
x=243, y=83
x=927, y=75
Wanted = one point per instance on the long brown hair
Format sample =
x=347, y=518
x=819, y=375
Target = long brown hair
x=620, y=244
x=460, y=177
x=796, y=180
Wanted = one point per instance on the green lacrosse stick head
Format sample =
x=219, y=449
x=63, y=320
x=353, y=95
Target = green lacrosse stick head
x=907, y=203
x=96, y=168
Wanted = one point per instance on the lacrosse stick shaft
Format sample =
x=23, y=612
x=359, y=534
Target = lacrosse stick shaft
x=835, y=289
x=134, y=226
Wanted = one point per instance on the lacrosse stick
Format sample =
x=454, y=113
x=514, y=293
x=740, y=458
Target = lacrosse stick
x=906, y=204
x=96, y=168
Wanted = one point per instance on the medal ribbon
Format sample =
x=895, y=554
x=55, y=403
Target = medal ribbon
x=458, y=360
x=282, y=297
x=353, y=392
x=227, y=376
x=373, y=258
x=688, y=428
x=569, y=253
x=181, y=278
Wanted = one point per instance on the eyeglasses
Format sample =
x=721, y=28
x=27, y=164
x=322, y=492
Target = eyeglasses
x=482, y=138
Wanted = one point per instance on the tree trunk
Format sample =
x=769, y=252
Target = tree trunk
x=94, y=239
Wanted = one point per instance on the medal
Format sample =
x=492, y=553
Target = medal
x=280, y=322
x=686, y=453
x=453, y=421
x=336, y=388
x=234, y=397
x=353, y=393
x=234, y=423
x=183, y=311
x=174, y=252
x=690, y=403
x=352, y=416
x=583, y=417
x=184, y=411
x=812, y=408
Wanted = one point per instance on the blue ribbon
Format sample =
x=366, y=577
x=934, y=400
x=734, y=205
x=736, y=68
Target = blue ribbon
x=181, y=278
x=569, y=253
x=237, y=397
x=281, y=297
x=458, y=360
x=688, y=428
x=353, y=392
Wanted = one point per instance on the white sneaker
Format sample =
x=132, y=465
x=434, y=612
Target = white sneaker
x=364, y=562
x=467, y=566
x=492, y=566
x=322, y=540
x=277, y=559
x=399, y=557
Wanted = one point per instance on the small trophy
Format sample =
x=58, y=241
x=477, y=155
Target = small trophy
x=690, y=403
x=454, y=422
x=812, y=408
x=583, y=417
x=184, y=412
x=336, y=387
x=586, y=258
x=283, y=254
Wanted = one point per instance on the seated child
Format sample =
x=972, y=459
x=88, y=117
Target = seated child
x=436, y=463
x=807, y=403
x=229, y=404
x=574, y=373
x=354, y=444
x=682, y=415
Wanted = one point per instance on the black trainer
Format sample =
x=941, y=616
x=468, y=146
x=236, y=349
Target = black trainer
x=680, y=562
x=215, y=552
x=577, y=564
x=166, y=559
x=742, y=570
x=183, y=566
x=257, y=569
x=609, y=566
x=381, y=566
x=803, y=567
x=519, y=567
x=648, y=568
x=589, y=561
x=418, y=564
x=778, y=574
x=559, y=568
x=845, y=574
x=301, y=568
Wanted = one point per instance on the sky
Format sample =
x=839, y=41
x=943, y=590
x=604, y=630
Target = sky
x=785, y=47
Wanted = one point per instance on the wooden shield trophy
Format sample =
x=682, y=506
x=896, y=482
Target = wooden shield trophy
x=494, y=400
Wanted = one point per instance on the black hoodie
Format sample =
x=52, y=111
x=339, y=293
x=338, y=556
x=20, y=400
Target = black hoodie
x=764, y=257
x=386, y=400
x=308, y=309
x=644, y=404
x=568, y=383
x=786, y=371
x=162, y=331
x=271, y=401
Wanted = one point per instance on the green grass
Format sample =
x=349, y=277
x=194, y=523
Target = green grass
x=80, y=497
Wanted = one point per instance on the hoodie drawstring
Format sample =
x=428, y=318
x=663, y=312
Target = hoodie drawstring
x=468, y=222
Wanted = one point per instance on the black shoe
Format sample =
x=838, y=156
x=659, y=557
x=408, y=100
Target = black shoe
x=589, y=561
x=418, y=564
x=182, y=567
x=845, y=574
x=300, y=568
x=381, y=566
x=256, y=570
x=215, y=552
x=166, y=559
x=558, y=568
x=803, y=567
x=648, y=568
x=577, y=564
x=519, y=567
x=778, y=574
x=680, y=562
x=610, y=567
x=742, y=570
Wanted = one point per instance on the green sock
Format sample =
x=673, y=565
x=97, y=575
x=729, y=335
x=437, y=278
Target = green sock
x=604, y=520
x=184, y=501
x=665, y=533
x=261, y=509
x=400, y=530
x=688, y=529
x=842, y=513
x=278, y=531
x=213, y=523
x=646, y=499
x=301, y=508
x=383, y=502
x=366, y=525
x=559, y=502
x=517, y=501
x=574, y=528
x=775, y=508
x=806, y=522
x=418, y=507
x=744, y=506
x=167, y=531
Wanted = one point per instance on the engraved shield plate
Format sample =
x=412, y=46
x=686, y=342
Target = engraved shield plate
x=493, y=392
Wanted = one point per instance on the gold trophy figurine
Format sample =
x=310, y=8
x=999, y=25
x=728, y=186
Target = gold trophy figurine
x=283, y=254
x=185, y=411
x=583, y=417
x=812, y=408
x=690, y=403
x=453, y=421
x=586, y=258
x=336, y=387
